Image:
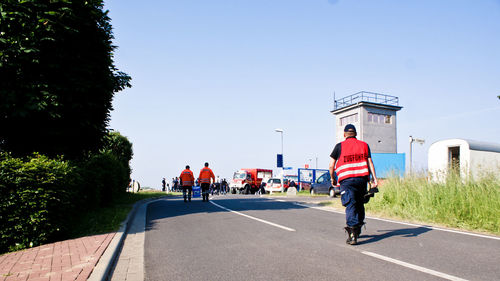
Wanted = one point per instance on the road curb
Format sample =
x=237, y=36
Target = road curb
x=106, y=262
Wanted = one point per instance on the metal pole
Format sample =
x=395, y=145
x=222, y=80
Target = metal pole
x=282, y=146
x=411, y=141
x=283, y=166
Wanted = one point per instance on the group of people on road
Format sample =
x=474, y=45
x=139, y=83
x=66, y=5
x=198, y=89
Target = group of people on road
x=187, y=181
x=184, y=183
x=351, y=166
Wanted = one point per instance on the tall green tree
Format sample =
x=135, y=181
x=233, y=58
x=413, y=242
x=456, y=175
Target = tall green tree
x=57, y=74
x=120, y=146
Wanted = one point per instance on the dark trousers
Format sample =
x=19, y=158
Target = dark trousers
x=188, y=190
x=352, y=192
x=204, y=190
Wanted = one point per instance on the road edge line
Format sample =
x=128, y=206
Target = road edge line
x=404, y=223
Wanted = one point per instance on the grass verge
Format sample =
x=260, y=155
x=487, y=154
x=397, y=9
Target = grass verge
x=108, y=219
x=469, y=205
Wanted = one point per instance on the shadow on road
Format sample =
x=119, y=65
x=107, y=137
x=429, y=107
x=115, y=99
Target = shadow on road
x=405, y=232
x=175, y=206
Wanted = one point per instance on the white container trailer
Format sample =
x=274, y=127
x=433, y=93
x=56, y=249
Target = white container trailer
x=471, y=158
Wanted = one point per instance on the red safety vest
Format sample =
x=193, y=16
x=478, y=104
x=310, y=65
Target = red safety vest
x=205, y=175
x=353, y=160
x=187, y=178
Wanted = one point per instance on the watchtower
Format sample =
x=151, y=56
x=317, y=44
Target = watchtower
x=374, y=116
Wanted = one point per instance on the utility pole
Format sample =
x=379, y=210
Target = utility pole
x=412, y=140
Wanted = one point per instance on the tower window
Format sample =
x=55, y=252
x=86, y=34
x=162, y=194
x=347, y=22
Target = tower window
x=379, y=118
x=348, y=119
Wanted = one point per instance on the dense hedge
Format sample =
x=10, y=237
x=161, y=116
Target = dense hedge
x=104, y=178
x=41, y=197
x=36, y=200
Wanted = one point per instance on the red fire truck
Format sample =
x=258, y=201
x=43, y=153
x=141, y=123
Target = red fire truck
x=249, y=180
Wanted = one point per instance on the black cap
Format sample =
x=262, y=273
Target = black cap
x=350, y=128
x=187, y=166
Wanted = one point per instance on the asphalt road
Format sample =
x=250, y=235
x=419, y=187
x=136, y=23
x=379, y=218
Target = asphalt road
x=252, y=238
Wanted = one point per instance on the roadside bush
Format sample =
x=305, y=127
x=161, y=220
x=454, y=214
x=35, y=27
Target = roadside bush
x=42, y=198
x=104, y=179
x=36, y=200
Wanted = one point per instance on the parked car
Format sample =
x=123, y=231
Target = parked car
x=274, y=184
x=323, y=185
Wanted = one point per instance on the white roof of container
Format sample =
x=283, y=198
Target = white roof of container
x=483, y=146
x=477, y=145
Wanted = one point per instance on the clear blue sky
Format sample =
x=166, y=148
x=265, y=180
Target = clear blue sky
x=213, y=79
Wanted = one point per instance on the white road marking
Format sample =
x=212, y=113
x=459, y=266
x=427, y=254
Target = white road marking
x=254, y=218
x=404, y=223
x=415, y=267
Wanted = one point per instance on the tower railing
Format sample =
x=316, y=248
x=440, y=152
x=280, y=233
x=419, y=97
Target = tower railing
x=366, y=96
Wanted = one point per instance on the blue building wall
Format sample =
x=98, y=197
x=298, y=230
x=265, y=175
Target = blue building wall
x=388, y=164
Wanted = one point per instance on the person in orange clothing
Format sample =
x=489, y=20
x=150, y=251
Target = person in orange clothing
x=205, y=175
x=187, y=181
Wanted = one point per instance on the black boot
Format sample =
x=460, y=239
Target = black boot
x=358, y=229
x=352, y=237
x=357, y=233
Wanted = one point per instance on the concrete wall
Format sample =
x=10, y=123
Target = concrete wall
x=389, y=164
x=482, y=162
x=380, y=136
x=438, y=156
x=339, y=131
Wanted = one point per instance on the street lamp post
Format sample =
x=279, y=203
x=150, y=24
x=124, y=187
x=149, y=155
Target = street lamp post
x=282, y=164
x=412, y=140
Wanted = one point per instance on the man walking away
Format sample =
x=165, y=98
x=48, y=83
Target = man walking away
x=187, y=181
x=176, y=184
x=351, y=160
x=205, y=175
x=163, y=185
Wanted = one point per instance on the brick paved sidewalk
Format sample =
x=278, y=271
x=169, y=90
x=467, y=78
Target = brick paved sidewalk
x=62, y=261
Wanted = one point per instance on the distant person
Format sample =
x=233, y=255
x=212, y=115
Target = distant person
x=187, y=181
x=205, y=176
x=176, y=184
x=163, y=185
x=223, y=185
x=352, y=161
